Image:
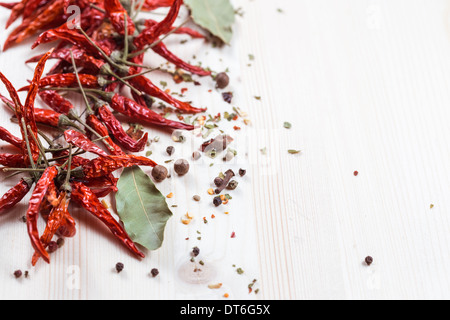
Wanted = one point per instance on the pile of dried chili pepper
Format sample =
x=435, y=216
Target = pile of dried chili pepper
x=97, y=58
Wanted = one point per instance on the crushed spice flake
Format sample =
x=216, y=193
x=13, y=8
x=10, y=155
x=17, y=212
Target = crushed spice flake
x=170, y=195
x=215, y=286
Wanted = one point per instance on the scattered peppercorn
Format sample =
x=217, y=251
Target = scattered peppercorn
x=159, y=173
x=154, y=272
x=196, y=198
x=18, y=273
x=119, y=267
x=195, y=251
x=222, y=80
x=170, y=150
x=60, y=242
x=181, y=167
x=217, y=201
x=242, y=172
x=26, y=274
x=52, y=246
x=196, y=155
x=369, y=260
x=227, y=96
x=355, y=173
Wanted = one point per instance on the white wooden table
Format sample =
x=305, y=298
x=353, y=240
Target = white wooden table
x=365, y=84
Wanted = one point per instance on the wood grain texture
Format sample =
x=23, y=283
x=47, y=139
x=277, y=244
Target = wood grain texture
x=365, y=85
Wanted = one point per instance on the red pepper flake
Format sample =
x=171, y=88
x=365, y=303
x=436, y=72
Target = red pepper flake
x=167, y=91
x=183, y=90
x=233, y=235
x=181, y=118
x=213, y=216
x=236, y=128
x=210, y=90
x=355, y=173
x=236, y=117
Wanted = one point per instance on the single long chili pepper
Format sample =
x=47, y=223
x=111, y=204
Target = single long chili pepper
x=134, y=110
x=116, y=13
x=164, y=52
x=72, y=36
x=67, y=80
x=15, y=195
x=150, y=35
x=55, y=101
x=115, y=127
x=7, y=136
x=145, y=85
x=150, y=23
x=102, y=186
x=100, y=128
x=87, y=199
x=54, y=222
x=31, y=7
x=33, y=210
x=12, y=160
x=32, y=93
x=81, y=141
x=150, y=5
x=82, y=59
x=100, y=167
x=68, y=227
x=52, y=118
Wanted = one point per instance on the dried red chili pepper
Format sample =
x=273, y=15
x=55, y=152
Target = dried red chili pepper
x=95, y=123
x=7, y=136
x=68, y=226
x=164, y=52
x=139, y=113
x=54, y=222
x=9, y=6
x=87, y=199
x=52, y=118
x=102, y=186
x=81, y=141
x=145, y=85
x=115, y=127
x=31, y=6
x=151, y=34
x=67, y=80
x=12, y=160
x=15, y=195
x=16, y=12
x=150, y=5
x=33, y=210
x=55, y=101
x=149, y=23
x=100, y=167
x=116, y=13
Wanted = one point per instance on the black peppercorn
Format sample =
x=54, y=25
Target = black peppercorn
x=119, y=267
x=181, y=167
x=159, y=173
x=195, y=251
x=17, y=273
x=154, y=272
x=369, y=260
x=52, y=247
x=217, y=201
x=222, y=80
x=170, y=150
x=242, y=172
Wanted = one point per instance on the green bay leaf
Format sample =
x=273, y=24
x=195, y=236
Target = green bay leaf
x=217, y=16
x=142, y=208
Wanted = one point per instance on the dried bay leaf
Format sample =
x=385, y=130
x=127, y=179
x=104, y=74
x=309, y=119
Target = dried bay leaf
x=142, y=208
x=217, y=16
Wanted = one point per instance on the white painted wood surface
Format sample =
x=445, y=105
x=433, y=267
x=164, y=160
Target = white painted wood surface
x=365, y=85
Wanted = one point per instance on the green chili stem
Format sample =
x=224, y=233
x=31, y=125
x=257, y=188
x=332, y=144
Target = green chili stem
x=27, y=142
x=41, y=148
x=125, y=49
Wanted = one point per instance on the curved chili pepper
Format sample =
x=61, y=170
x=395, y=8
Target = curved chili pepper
x=66, y=80
x=116, y=13
x=149, y=23
x=33, y=210
x=9, y=6
x=89, y=201
x=31, y=6
x=81, y=141
x=95, y=123
x=151, y=34
x=100, y=167
x=115, y=127
x=7, y=136
x=145, y=85
x=102, y=186
x=164, y=52
x=14, y=195
x=68, y=227
x=52, y=118
x=54, y=222
x=133, y=110
x=55, y=101
x=150, y=5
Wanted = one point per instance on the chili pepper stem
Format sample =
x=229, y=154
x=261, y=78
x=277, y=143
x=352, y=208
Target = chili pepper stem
x=39, y=144
x=27, y=142
x=97, y=8
x=66, y=185
x=125, y=49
